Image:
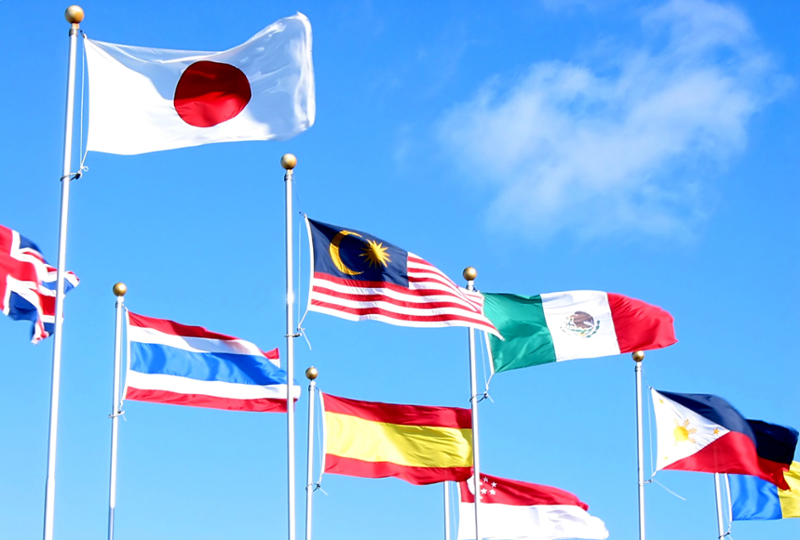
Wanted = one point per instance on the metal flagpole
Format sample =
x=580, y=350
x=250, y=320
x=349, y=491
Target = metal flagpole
x=74, y=16
x=730, y=502
x=638, y=357
x=446, y=511
x=288, y=162
x=470, y=274
x=311, y=375
x=720, y=524
x=119, y=290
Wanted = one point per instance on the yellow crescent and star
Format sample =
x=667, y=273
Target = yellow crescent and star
x=374, y=252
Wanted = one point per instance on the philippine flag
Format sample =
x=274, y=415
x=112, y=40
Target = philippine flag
x=188, y=365
x=704, y=433
x=143, y=99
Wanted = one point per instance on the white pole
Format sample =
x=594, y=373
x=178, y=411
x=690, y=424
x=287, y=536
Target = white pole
x=288, y=162
x=718, y=492
x=119, y=290
x=446, y=511
x=638, y=357
x=470, y=274
x=74, y=15
x=730, y=502
x=311, y=375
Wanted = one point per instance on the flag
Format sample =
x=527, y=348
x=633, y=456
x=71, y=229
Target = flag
x=28, y=283
x=704, y=433
x=357, y=276
x=188, y=365
x=144, y=100
x=753, y=498
x=523, y=511
x=420, y=444
x=775, y=446
x=576, y=324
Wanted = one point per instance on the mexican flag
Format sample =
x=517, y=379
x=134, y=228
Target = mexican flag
x=575, y=324
x=523, y=511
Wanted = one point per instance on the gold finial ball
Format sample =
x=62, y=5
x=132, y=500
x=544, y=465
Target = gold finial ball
x=120, y=289
x=638, y=356
x=74, y=14
x=469, y=273
x=288, y=161
x=311, y=373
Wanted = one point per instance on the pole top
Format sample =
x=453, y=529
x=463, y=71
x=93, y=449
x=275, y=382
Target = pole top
x=469, y=273
x=311, y=373
x=120, y=289
x=288, y=161
x=74, y=14
x=638, y=356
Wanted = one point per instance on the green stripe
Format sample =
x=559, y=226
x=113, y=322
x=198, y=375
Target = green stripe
x=520, y=319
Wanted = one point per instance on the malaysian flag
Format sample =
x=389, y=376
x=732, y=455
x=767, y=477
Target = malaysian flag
x=28, y=283
x=360, y=277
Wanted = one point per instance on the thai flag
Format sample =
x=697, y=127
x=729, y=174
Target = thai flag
x=28, y=283
x=188, y=365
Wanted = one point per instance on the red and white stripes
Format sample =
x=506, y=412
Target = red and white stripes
x=431, y=299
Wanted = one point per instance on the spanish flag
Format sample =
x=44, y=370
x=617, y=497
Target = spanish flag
x=420, y=444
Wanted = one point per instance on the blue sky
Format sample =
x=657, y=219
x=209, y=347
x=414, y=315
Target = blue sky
x=648, y=149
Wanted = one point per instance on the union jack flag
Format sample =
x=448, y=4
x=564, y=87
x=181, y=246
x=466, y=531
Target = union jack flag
x=28, y=283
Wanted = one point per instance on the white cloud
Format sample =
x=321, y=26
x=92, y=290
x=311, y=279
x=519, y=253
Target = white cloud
x=620, y=147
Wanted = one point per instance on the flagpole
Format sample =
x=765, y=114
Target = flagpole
x=446, y=511
x=638, y=357
x=288, y=162
x=119, y=291
x=718, y=491
x=470, y=274
x=74, y=16
x=311, y=375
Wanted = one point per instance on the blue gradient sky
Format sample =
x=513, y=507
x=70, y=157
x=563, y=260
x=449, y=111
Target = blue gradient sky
x=648, y=149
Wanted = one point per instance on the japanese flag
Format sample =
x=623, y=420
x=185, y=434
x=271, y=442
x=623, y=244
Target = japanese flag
x=144, y=100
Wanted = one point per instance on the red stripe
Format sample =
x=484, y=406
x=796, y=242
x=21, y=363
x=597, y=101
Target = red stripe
x=391, y=300
x=211, y=402
x=381, y=469
x=400, y=316
x=407, y=415
x=733, y=453
x=775, y=469
x=176, y=329
x=319, y=276
x=639, y=325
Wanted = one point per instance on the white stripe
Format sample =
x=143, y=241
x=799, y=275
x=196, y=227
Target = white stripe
x=220, y=389
x=427, y=270
x=476, y=323
x=539, y=522
x=421, y=311
x=445, y=296
x=569, y=342
x=195, y=344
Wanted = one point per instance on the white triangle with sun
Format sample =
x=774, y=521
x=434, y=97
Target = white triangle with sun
x=681, y=431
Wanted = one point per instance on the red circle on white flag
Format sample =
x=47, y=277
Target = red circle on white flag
x=209, y=93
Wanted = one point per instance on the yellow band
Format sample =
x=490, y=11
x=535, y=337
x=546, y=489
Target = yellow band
x=790, y=500
x=414, y=446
